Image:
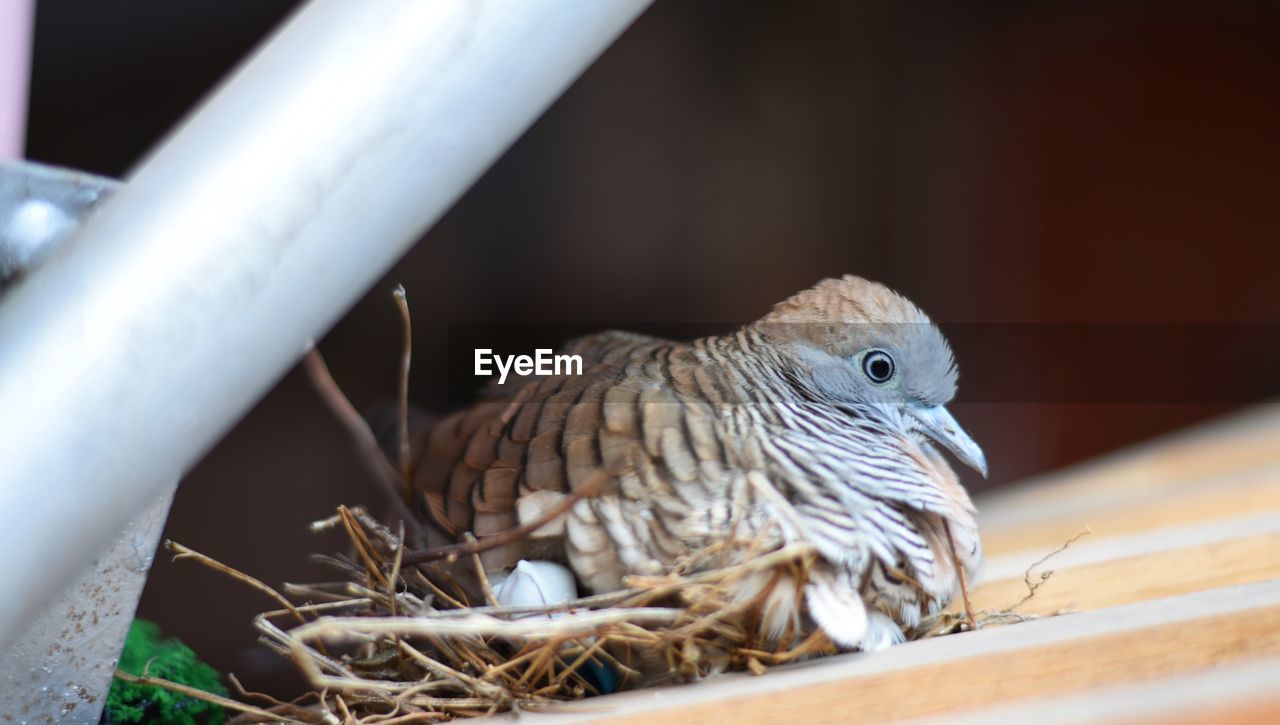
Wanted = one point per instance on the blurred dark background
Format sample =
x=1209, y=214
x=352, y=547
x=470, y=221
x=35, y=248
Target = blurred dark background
x=999, y=162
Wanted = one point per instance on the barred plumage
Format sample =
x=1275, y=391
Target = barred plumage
x=781, y=429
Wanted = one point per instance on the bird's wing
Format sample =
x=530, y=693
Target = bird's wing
x=496, y=465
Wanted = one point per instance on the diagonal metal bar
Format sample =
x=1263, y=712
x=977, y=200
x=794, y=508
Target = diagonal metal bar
x=135, y=346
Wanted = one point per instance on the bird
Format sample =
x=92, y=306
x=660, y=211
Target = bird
x=821, y=423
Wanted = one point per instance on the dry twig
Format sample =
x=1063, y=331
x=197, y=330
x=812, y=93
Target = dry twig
x=961, y=577
x=402, y=418
x=1044, y=576
x=198, y=694
x=366, y=443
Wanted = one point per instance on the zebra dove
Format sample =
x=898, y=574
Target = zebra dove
x=813, y=424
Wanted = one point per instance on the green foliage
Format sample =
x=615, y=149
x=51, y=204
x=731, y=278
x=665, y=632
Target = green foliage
x=172, y=660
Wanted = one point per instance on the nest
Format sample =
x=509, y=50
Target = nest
x=397, y=643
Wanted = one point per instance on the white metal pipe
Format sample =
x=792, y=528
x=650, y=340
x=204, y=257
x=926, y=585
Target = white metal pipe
x=267, y=214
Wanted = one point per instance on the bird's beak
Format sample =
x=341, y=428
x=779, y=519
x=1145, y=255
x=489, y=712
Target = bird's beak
x=936, y=422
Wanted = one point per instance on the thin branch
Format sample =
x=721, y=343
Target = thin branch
x=394, y=587
x=366, y=443
x=402, y=418
x=440, y=669
x=200, y=695
x=291, y=707
x=349, y=628
x=1044, y=576
x=275, y=637
x=364, y=547
x=961, y=577
x=182, y=552
x=481, y=576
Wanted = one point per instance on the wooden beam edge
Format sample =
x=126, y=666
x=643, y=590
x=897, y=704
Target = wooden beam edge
x=1235, y=693
x=838, y=686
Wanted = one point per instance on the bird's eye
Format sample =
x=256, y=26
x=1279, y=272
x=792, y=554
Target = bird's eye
x=877, y=366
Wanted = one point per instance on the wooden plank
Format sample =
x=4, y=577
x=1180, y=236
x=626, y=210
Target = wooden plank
x=1095, y=574
x=1226, y=712
x=1221, y=449
x=1071, y=653
x=1135, y=579
x=1090, y=549
x=1239, y=495
x=1148, y=652
x=1244, y=693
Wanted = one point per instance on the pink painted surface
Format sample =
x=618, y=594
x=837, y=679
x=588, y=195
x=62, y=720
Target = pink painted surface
x=16, y=23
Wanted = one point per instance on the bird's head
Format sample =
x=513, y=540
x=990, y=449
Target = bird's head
x=862, y=347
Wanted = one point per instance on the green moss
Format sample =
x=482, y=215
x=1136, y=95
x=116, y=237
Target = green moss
x=172, y=660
